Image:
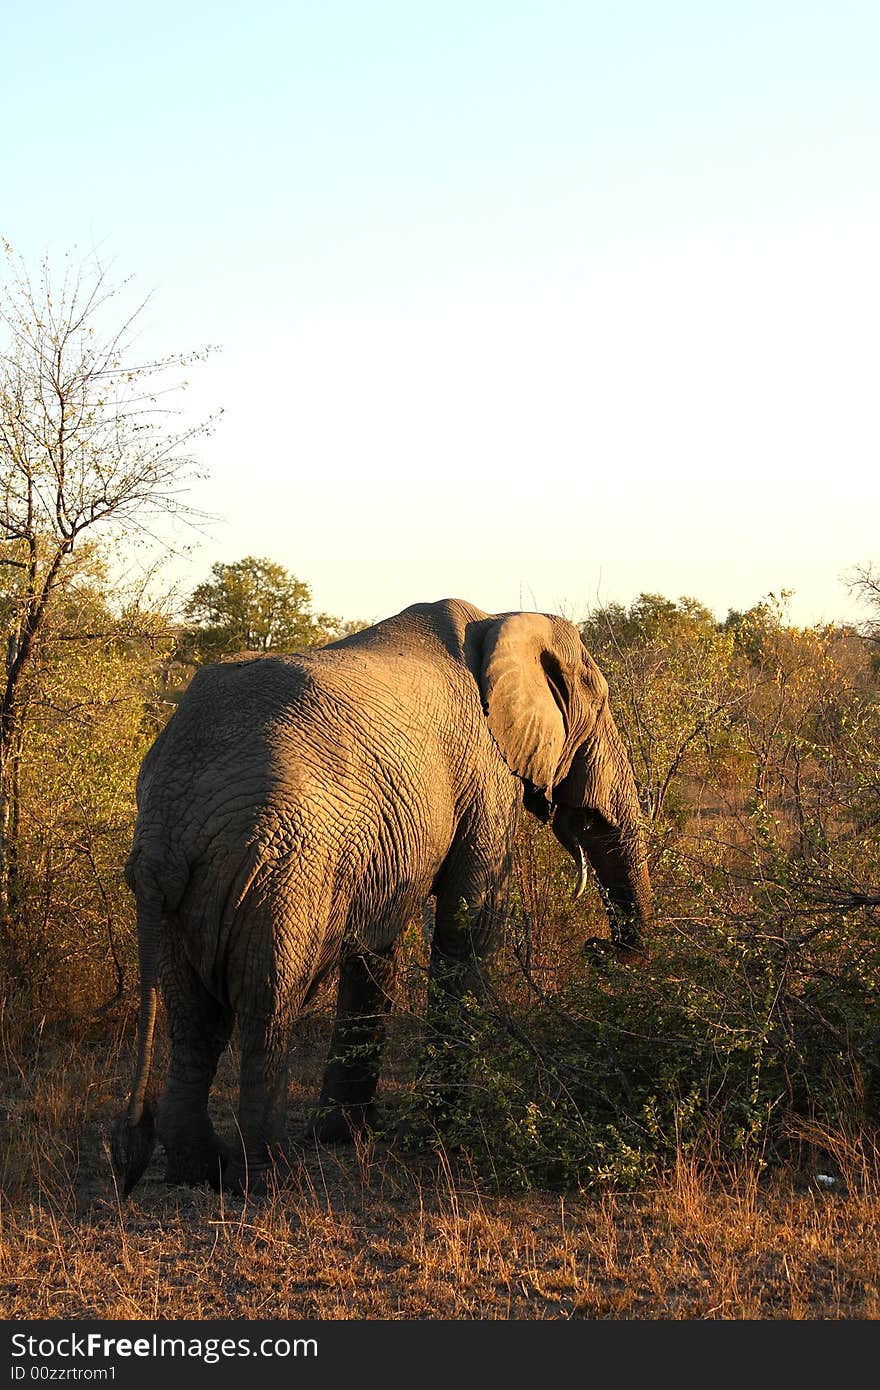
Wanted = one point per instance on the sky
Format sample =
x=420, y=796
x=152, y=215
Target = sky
x=540, y=305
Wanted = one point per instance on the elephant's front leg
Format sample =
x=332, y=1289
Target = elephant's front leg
x=464, y=926
x=346, y=1107
x=464, y=929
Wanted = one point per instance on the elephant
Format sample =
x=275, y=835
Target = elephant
x=297, y=811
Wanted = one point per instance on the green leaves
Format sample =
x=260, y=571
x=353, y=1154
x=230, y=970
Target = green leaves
x=252, y=605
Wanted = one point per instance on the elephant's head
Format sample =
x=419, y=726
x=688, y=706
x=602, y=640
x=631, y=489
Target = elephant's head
x=547, y=707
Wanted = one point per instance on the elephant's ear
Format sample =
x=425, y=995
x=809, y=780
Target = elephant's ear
x=524, y=696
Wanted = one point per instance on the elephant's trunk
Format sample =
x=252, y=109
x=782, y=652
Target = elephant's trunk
x=617, y=856
x=134, y=1132
x=619, y=860
x=598, y=820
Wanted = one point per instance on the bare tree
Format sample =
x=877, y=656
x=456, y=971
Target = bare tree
x=864, y=582
x=90, y=447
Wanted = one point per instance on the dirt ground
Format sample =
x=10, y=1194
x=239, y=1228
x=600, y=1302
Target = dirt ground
x=370, y=1233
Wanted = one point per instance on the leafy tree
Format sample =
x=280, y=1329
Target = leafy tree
x=253, y=605
x=93, y=705
x=810, y=723
x=86, y=449
x=649, y=616
x=673, y=677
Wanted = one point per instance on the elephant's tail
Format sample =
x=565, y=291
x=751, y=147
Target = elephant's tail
x=134, y=1132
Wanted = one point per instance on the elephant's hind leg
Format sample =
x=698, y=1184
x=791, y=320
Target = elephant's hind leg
x=346, y=1108
x=265, y=1050
x=199, y=1028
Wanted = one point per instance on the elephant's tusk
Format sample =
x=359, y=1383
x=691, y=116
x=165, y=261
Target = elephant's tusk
x=582, y=873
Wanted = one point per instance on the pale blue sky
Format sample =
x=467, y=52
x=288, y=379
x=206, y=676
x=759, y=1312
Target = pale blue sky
x=533, y=304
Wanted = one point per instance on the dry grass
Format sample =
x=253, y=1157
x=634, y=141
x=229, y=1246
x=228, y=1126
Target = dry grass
x=368, y=1234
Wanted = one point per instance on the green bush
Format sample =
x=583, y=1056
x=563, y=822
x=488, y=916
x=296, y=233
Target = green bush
x=727, y=1042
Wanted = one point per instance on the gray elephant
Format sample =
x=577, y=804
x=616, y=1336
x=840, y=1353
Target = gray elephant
x=297, y=811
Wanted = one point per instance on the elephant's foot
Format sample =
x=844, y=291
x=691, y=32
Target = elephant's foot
x=429, y=1120
x=196, y=1164
x=241, y=1177
x=416, y=1136
x=599, y=950
x=338, y=1124
x=428, y=1125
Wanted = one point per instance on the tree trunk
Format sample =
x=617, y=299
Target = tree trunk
x=11, y=735
x=6, y=818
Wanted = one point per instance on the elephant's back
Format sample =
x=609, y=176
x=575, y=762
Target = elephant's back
x=233, y=702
